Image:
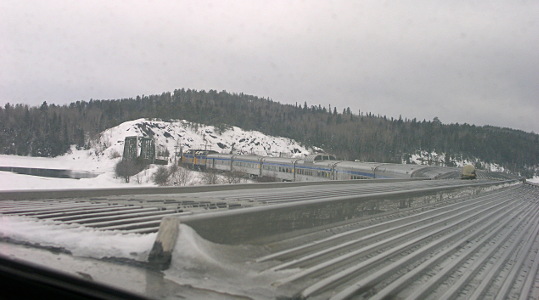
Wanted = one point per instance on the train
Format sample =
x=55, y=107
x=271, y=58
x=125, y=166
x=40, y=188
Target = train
x=196, y=158
x=314, y=167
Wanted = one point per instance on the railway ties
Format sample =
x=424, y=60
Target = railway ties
x=483, y=247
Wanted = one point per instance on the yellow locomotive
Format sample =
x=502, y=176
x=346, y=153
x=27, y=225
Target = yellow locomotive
x=468, y=172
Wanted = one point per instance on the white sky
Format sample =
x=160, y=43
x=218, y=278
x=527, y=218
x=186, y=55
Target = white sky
x=463, y=61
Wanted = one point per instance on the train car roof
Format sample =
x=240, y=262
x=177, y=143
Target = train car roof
x=201, y=150
x=220, y=155
x=356, y=164
x=399, y=168
x=284, y=160
x=248, y=157
x=324, y=163
x=318, y=157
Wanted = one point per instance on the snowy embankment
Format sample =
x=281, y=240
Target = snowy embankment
x=170, y=137
x=439, y=159
x=78, y=160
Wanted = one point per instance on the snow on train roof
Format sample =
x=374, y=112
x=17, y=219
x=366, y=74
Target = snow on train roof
x=356, y=164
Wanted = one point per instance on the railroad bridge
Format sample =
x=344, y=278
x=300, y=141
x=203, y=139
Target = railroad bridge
x=375, y=239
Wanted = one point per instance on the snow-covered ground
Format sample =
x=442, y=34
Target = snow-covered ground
x=106, y=151
x=434, y=158
x=77, y=160
x=11, y=181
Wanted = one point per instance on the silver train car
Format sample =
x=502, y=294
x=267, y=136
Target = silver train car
x=283, y=169
x=316, y=168
x=247, y=164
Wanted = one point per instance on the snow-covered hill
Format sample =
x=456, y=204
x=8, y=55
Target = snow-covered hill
x=106, y=151
x=176, y=135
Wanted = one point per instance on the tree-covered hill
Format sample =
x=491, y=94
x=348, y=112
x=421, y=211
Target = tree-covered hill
x=49, y=130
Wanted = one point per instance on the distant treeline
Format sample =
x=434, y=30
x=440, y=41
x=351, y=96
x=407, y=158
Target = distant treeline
x=49, y=130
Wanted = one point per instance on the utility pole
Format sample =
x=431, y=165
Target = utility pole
x=178, y=145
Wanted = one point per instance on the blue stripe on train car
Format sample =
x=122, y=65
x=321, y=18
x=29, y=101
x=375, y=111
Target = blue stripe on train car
x=354, y=173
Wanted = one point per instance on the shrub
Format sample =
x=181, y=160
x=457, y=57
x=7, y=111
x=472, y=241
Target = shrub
x=160, y=177
x=127, y=168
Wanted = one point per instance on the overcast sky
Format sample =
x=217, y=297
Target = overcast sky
x=470, y=61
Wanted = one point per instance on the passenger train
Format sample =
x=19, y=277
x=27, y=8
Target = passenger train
x=311, y=168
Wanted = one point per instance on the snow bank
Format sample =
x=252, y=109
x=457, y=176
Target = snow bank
x=79, y=240
x=11, y=181
x=223, y=268
x=78, y=160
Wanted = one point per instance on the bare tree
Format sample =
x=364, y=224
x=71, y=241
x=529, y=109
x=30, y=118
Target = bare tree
x=233, y=177
x=210, y=177
x=179, y=175
x=268, y=178
x=160, y=177
x=139, y=177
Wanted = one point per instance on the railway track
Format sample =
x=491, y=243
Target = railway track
x=480, y=247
